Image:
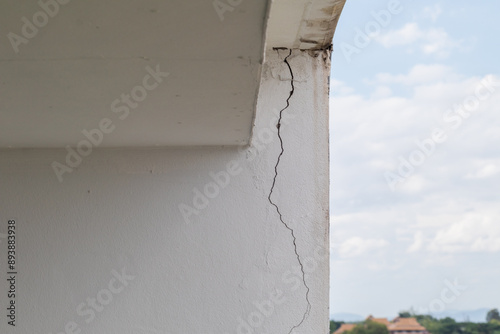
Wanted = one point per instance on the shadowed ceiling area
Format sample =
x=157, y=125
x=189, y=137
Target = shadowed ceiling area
x=143, y=73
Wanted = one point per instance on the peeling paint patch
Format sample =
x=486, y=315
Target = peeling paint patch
x=333, y=10
x=320, y=27
x=316, y=20
x=311, y=41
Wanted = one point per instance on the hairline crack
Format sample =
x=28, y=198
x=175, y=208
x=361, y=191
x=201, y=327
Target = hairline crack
x=292, y=232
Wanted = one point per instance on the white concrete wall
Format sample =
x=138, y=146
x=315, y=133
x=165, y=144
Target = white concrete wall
x=230, y=267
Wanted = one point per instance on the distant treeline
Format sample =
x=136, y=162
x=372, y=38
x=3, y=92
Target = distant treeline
x=433, y=325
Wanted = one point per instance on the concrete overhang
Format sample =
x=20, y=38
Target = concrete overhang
x=98, y=69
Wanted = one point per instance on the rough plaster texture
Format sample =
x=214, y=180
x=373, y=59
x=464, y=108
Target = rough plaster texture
x=305, y=25
x=216, y=274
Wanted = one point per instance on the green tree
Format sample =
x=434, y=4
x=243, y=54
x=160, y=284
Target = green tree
x=448, y=326
x=334, y=325
x=369, y=327
x=405, y=314
x=492, y=315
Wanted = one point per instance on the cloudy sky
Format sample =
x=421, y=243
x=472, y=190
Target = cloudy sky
x=415, y=157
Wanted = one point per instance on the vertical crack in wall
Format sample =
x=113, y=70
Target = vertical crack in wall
x=292, y=232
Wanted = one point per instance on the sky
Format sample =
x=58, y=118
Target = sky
x=415, y=157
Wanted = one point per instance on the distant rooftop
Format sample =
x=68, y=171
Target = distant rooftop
x=397, y=326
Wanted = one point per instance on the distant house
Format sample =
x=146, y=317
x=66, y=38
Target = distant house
x=406, y=326
x=397, y=326
x=344, y=328
x=382, y=321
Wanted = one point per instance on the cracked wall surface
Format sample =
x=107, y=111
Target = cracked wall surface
x=297, y=190
x=270, y=197
x=250, y=257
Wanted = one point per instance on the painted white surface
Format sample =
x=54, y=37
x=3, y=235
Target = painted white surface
x=66, y=76
x=119, y=210
x=88, y=62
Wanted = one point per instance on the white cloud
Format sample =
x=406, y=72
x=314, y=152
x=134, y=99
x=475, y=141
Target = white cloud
x=472, y=232
x=433, y=12
x=486, y=169
x=408, y=34
x=434, y=90
x=415, y=184
x=370, y=133
x=419, y=74
x=357, y=246
x=432, y=41
x=381, y=92
x=375, y=124
x=340, y=87
x=418, y=242
x=437, y=41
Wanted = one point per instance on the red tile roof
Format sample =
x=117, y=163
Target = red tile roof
x=382, y=321
x=405, y=324
x=397, y=325
x=344, y=328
